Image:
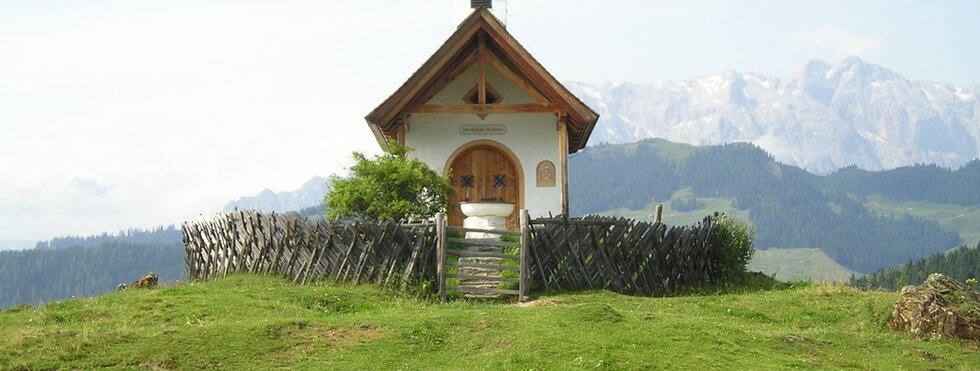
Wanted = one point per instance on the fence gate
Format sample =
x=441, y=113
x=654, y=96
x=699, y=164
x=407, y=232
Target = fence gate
x=484, y=262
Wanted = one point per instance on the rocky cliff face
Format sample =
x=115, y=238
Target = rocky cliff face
x=940, y=308
x=823, y=117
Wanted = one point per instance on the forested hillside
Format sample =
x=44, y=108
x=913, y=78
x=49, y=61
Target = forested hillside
x=928, y=183
x=159, y=235
x=93, y=265
x=960, y=264
x=789, y=207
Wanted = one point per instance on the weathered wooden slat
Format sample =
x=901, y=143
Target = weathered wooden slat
x=482, y=290
x=483, y=278
x=441, y=256
x=524, y=267
x=482, y=242
x=490, y=231
x=559, y=221
x=481, y=254
x=512, y=268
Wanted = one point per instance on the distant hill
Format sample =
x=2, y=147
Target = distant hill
x=160, y=235
x=800, y=264
x=89, y=265
x=789, y=206
x=960, y=264
x=84, y=266
x=310, y=194
x=822, y=117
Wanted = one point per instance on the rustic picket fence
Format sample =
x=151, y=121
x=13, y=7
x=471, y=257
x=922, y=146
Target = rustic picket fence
x=622, y=255
x=554, y=254
x=287, y=244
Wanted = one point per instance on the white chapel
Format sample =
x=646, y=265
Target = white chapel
x=484, y=111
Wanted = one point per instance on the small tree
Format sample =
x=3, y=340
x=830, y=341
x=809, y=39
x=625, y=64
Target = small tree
x=733, y=241
x=389, y=186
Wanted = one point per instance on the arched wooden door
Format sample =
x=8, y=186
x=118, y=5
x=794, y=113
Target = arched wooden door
x=484, y=173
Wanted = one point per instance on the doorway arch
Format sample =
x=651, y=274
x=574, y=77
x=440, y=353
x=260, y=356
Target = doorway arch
x=484, y=160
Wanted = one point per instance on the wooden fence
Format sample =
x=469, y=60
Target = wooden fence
x=287, y=244
x=481, y=264
x=622, y=255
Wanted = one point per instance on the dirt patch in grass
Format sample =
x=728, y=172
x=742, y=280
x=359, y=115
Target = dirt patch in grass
x=159, y=365
x=548, y=302
x=312, y=340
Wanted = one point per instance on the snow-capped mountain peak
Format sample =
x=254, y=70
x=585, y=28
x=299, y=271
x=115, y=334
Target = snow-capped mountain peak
x=822, y=117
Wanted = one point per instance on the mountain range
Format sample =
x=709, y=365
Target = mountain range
x=308, y=195
x=821, y=118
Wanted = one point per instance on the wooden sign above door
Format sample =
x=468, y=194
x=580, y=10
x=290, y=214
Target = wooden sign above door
x=483, y=129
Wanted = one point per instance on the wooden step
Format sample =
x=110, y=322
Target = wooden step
x=484, y=291
x=484, y=266
x=483, y=242
x=479, y=254
x=482, y=278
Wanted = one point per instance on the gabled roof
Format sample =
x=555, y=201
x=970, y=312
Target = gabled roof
x=482, y=28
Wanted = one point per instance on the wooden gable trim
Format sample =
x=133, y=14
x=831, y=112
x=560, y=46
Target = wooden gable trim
x=383, y=114
x=514, y=79
x=524, y=61
x=484, y=33
x=483, y=108
x=443, y=80
x=481, y=68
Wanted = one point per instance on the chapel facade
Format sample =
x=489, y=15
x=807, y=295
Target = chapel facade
x=482, y=110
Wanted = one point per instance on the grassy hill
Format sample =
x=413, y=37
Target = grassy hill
x=796, y=264
x=963, y=219
x=262, y=322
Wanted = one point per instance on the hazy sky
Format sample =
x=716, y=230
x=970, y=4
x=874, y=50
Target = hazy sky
x=128, y=113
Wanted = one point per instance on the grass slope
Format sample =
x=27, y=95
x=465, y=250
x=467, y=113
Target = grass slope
x=671, y=216
x=663, y=148
x=963, y=219
x=262, y=322
x=797, y=264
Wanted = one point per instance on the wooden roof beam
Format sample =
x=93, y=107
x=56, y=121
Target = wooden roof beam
x=512, y=51
x=458, y=40
x=481, y=77
x=516, y=80
x=446, y=78
x=484, y=108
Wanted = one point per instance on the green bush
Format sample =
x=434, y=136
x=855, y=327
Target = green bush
x=732, y=241
x=390, y=186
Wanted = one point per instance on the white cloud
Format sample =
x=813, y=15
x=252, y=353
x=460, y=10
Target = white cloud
x=837, y=42
x=180, y=109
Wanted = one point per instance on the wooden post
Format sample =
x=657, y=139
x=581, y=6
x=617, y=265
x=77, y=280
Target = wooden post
x=660, y=213
x=563, y=156
x=441, y=255
x=525, y=267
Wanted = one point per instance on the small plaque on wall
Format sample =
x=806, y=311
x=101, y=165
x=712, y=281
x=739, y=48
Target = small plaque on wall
x=482, y=129
x=546, y=174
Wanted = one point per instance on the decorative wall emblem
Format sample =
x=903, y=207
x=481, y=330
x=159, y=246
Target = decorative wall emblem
x=546, y=174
